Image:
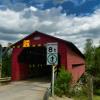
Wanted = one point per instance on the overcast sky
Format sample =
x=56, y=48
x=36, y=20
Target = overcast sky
x=72, y=20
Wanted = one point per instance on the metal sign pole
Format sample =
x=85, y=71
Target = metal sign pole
x=52, y=59
x=53, y=66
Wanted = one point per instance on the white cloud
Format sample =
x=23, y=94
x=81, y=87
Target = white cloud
x=50, y=21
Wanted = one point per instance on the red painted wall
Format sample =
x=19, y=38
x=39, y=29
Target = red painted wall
x=73, y=58
x=19, y=71
x=15, y=64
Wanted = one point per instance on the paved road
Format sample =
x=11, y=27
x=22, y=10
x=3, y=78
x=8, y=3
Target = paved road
x=23, y=90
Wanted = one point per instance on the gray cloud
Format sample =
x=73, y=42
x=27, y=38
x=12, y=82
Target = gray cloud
x=51, y=21
x=8, y=37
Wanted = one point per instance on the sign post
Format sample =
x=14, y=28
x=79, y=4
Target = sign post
x=0, y=60
x=53, y=80
x=52, y=59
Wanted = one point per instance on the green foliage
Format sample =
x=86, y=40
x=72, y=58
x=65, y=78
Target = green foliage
x=97, y=92
x=62, y=83
x=89, y=54
x=97, y=61
x=96, y=83
x=92, y=55
x=6, y=65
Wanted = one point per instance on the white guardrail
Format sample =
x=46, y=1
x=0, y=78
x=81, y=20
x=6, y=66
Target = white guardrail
x=6, y=79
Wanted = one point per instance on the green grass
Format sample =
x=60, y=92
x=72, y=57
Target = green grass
x=95, y=97
x=80, y=98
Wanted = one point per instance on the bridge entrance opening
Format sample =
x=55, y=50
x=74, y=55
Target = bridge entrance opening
x=34, y=60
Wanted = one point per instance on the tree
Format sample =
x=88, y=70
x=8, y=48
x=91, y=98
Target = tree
x=97, y=61
x=89, y=55
x=97, y=71
x=6, y=61
x=92, y=55
x=6, y=65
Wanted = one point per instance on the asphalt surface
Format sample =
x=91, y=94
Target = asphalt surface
x=24, y=90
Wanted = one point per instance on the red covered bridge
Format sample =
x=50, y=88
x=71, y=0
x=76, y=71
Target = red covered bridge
x=29, y=57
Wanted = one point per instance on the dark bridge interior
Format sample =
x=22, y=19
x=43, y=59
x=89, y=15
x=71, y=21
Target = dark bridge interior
x=36, y=58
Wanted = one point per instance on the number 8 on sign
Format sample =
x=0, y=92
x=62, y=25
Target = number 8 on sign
x=50, y=49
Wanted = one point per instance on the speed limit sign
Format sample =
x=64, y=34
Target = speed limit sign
x=52, y=53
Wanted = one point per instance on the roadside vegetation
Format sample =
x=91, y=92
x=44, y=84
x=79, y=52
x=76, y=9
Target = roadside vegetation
x=62, y=83
x=6, y=65
x=82, y=97
x=81, y=90
x=92, y=55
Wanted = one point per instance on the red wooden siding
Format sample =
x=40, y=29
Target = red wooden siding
x=67, y=55
x=74, y=59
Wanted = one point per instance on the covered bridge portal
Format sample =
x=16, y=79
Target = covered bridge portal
x=29, y=57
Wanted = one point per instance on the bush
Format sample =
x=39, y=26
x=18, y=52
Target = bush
x=62, y=83
x=96, y=82
x=96, y=85
x=78, y=90
x=6, y=66
x=97, y=92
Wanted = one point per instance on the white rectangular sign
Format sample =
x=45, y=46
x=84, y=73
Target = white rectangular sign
x=52, y=53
